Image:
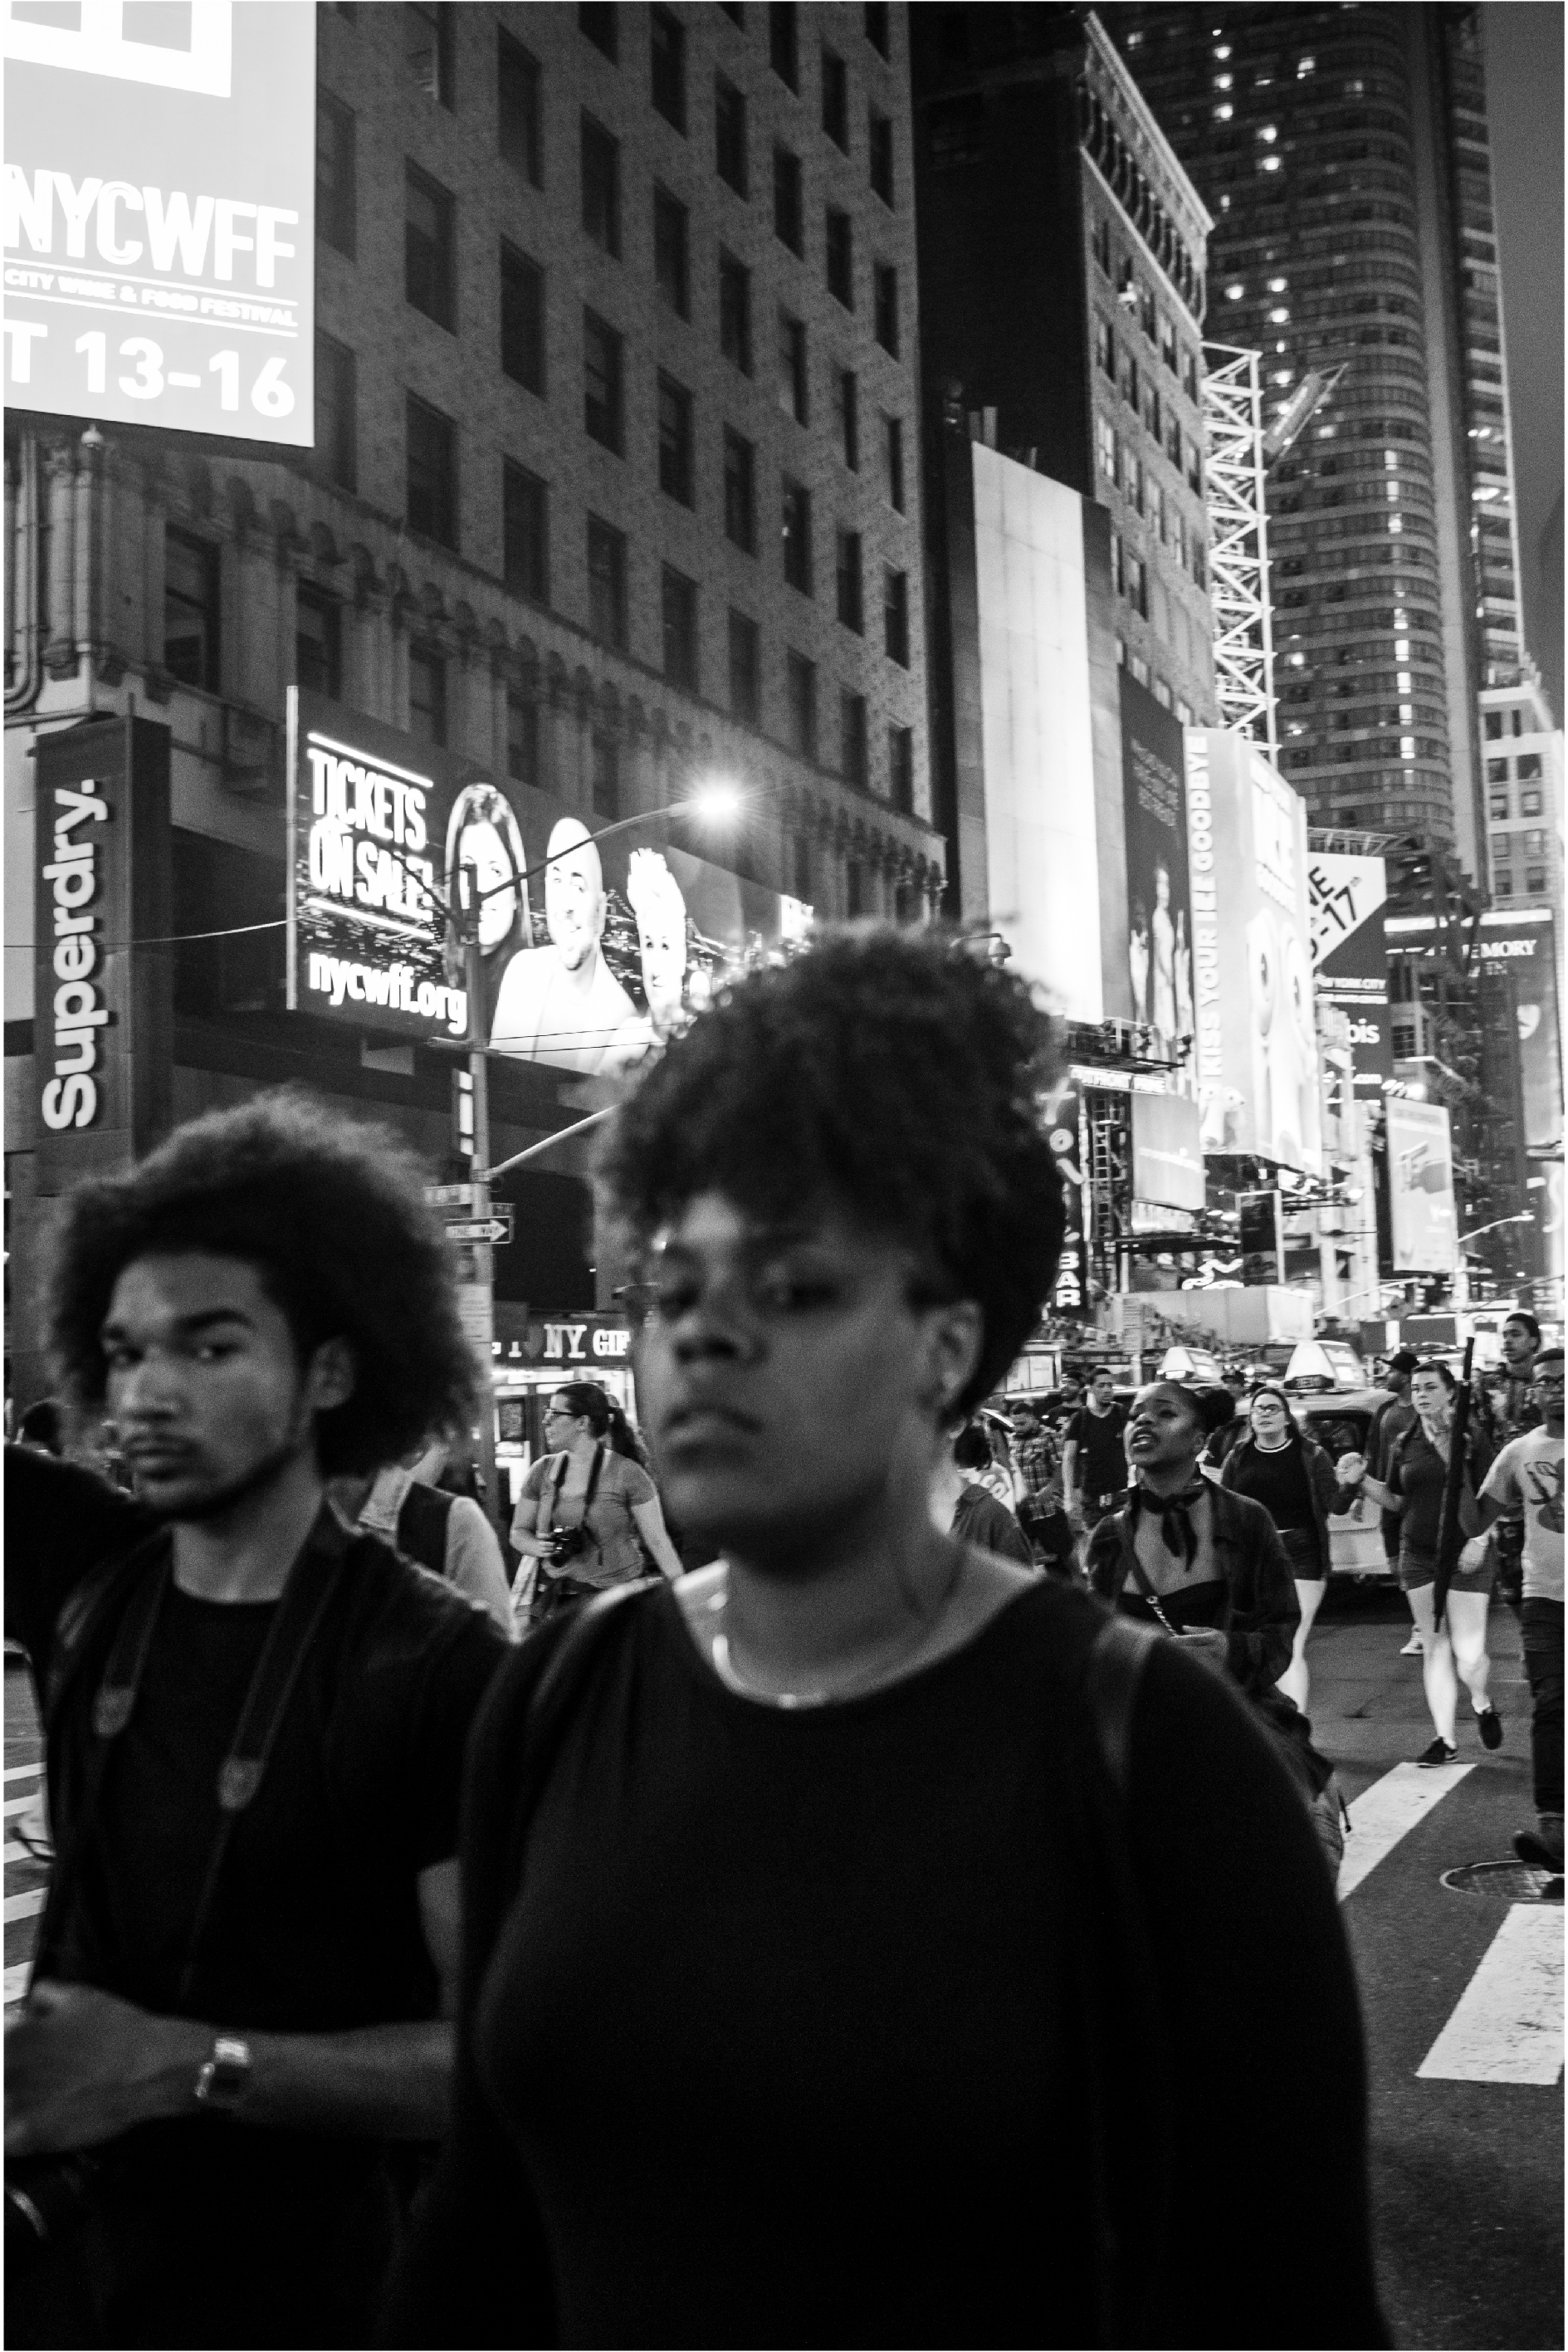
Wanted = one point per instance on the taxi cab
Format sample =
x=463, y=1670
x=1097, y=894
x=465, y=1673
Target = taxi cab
x=1340, y=1421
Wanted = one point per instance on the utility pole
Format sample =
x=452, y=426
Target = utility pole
x=480, y=1318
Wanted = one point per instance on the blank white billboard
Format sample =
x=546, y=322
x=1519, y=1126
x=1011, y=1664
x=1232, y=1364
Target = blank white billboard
x=1043, y=859
x=1425, y=1223
x=159, y=212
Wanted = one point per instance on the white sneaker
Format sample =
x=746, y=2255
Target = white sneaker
x=1413, y=1648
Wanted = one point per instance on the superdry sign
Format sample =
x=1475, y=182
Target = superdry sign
x=102, y=1007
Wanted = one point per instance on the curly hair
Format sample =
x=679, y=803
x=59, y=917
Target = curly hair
x=890, y=1076
x=331, y=1215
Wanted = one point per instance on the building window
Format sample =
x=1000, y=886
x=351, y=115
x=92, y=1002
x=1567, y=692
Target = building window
x=896, y=614
x=522, y=739
x=1535, y=842
x=670, y=251
x=836, y=100
x=787, y=216
x=335, y=213
x=599, y=21
x=793, y=398
x=1528, y=765
x=1535, y=881
x=796, y=531
x=1138, y=586
x=191, y=610
x=1529, y=805
x=877, y=26
x=606, y=583
x=735, y=312
x=1189, y=376
x=1496, y=771
x=729, y=134
x=892, y=461
x=427, y=693
x=1106, y=446
x=1499, y=807
x=1101, y=242
x=604, y=774
x=879, y=152
x=886, y=277
x=1167, y=339
x=851, y=602
x=1502, y=882
x=840, y=241
x=854, y=763
x=855, y=888
x=521, y=138
x=800, y=685
x=522, y=319
x=1105, y=347
x=601, y=360
x=802, y=864
x=745, y=668
x=1119, y=579
x=317, y=641
x=901, y=768
x=601, y=186
x=783, y=45
x=429, y=278
x=739, y=492
x=427, y=50
x=846, y=408
x=667, y=67
x=674, y=440
x=1195, y=469
x=431, y=473
x=1516, y=720
x=679, y=600
x=1494, y=726
x=336, y=449
x=525, y=533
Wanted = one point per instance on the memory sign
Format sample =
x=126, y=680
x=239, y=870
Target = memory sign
x=159, y=213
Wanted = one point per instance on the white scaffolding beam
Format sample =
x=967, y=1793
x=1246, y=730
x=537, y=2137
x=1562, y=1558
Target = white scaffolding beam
x=1239, y=543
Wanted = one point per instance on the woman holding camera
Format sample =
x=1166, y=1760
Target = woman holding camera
x=588, y=1512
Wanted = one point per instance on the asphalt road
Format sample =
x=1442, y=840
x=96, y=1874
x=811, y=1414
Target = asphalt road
x=1467, y=2175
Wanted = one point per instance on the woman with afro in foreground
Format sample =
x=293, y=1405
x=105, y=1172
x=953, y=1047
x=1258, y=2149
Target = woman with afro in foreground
x=852, y=1954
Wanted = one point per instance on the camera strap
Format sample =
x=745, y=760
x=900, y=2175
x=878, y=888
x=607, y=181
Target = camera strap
x=559, y=1481
x=301, y=1608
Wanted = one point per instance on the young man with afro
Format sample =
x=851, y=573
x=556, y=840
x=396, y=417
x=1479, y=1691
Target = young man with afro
x=236, y=2034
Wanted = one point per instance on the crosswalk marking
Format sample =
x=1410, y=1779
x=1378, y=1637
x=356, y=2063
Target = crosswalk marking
x=1507, y=2026
x=14, y=1805
x=16, y=1982
x=1387, y=1811
x=25, y=1906
x=23, y=1771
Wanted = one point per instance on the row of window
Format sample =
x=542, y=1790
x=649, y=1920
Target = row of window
x=1161, y=423
x=1502, y=723
x=1155, y=322
x=1525, y=768
x=1533, y=882
x=1132, y=188
x=1171, y=525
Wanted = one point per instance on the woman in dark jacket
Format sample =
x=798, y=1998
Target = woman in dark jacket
x=1279, y=1466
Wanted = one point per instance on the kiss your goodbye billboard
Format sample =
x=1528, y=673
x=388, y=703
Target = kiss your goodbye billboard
x=592, y=952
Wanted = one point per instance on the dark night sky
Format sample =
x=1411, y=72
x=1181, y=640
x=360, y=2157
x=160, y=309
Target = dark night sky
x=1524, y=106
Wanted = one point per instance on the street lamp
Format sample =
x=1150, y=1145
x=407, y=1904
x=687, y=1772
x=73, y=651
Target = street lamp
x=1521, y=1217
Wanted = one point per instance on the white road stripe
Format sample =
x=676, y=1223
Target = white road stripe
x=1507, y=2024
x=14, y=1805
x=25, y=1906
x=16, y=1982
x=1387, y=1811
x=23, y=1771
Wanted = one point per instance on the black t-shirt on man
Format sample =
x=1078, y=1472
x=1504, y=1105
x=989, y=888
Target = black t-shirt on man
x=1102, y=1451
x=315, y=1928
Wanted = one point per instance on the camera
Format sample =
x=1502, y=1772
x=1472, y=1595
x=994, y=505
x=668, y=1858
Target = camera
x=567, y=1544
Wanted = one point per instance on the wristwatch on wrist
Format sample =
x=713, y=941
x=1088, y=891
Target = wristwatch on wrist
x=224, y=2078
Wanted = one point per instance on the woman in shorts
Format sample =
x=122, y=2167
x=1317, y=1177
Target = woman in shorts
x=1454, y=1652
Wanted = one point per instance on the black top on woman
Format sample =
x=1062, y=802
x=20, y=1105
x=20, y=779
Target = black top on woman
x=820, y=1988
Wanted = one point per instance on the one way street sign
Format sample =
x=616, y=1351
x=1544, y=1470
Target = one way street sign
x=496, y=1229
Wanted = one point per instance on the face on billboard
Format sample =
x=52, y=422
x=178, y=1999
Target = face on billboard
x=574, y=893
x=160, y=215
x=482, y=832
x=661, y=912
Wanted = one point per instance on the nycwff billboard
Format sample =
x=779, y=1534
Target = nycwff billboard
x=1345, y=897
x=1256, y=1041
x=159, y=202
x=590, y=957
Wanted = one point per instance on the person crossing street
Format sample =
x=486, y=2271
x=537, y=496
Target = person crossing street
x=1526, y=1480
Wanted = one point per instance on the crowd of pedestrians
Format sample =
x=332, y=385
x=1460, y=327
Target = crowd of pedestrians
x=778, y=1912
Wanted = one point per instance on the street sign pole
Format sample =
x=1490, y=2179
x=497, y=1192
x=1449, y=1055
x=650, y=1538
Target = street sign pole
x=483, y=1253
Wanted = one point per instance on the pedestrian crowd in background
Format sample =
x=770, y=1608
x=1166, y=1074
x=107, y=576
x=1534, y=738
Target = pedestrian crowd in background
x=835, y=1814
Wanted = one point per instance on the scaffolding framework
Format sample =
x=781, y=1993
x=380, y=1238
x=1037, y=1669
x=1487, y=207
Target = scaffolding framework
x=1239, y=543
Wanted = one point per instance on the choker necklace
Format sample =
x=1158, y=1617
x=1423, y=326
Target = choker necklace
x=1263, y=1447
x=794, y=1701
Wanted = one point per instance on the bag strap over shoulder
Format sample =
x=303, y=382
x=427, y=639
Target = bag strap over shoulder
x=1117, y=1657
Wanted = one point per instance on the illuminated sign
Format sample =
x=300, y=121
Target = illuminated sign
x=1345, y=899
x=1423, y=1218
x=103, y=999
x=159, y=213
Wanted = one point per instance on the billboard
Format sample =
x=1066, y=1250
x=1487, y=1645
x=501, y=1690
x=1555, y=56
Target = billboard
x=1042, y=850
x=103, y=1017
x=1346, y=899
x=158, y=200
x=590, y=957
x=1063, y=1114
x=1422, y=1222
x=1159, y=911
x=1168, y=1150
x=1256, y=1052
x=1526, y=940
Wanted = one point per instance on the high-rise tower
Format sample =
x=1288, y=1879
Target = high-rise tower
x=1342, y=153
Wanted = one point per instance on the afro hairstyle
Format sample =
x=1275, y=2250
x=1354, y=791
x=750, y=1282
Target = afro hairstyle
x=332, y=1216
x=886, y=1074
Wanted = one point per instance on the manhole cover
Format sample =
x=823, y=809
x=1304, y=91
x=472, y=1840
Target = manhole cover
x=1504, y=1882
